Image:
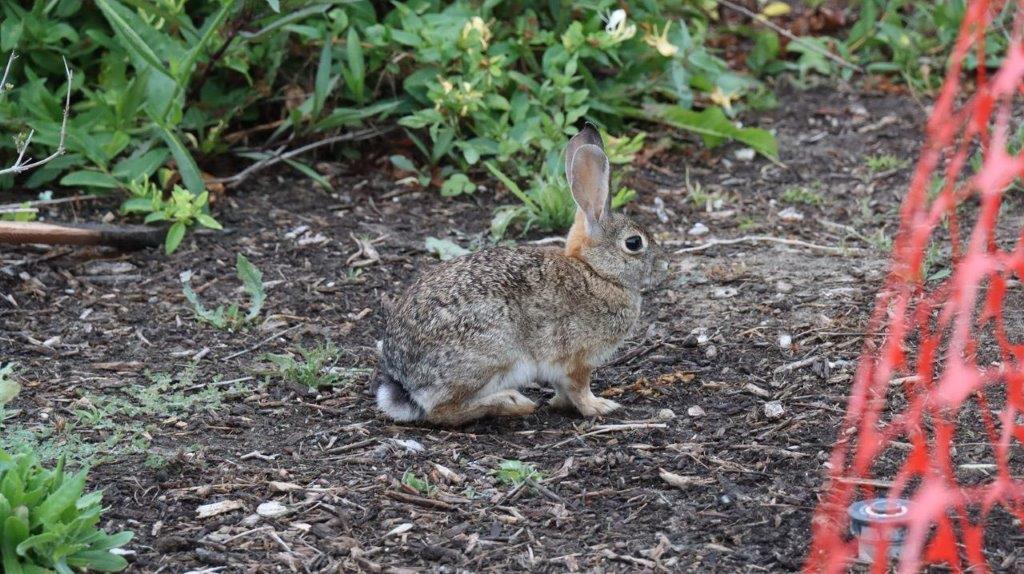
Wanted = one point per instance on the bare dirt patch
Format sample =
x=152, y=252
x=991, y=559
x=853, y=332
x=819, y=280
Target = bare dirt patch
x=751, y=346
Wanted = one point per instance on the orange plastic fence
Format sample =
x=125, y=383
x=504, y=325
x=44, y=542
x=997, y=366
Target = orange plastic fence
x=940, y=354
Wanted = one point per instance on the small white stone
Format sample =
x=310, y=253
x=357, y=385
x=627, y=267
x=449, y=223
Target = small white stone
x=666, y=414
x=711, y=352
x=698, y=229
x=695, y=411
x=745, y=154
x=724, y=293
x=272, y=509
x=774, y=409
x=409, y=445
x=785, y=341
x=783, y=286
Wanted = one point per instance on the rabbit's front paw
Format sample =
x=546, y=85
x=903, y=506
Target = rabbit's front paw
x=596, y=406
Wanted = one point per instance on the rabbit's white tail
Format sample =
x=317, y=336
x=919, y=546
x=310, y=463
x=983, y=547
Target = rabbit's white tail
x=394, y=400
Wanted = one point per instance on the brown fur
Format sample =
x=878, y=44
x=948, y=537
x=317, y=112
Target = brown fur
x=578, y=238
x=470, y=331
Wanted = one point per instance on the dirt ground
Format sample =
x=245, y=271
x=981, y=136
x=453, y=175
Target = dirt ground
x=751, y=346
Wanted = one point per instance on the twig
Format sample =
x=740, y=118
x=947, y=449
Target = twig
x=42, y=202
x=762, y=20
x=278, y=156
x=7, y=70
x=762, y=238
x=418, y=500
x=261, y=343
x=604, y=429
x=19, y=167
x=796, y=364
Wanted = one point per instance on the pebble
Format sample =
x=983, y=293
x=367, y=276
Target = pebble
x=745, y=154
x=785, y=341
x=698, y=229
x=774, y=409
x=666, y=414
x=724, y=293
x=791, y=215
x=695, y=411
x=711, y=352
x=784, y=287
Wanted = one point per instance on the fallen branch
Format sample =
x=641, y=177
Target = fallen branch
x=763, y=239
x=19, y=166
x=779, y=29
x=280, y=154
x=123, y=236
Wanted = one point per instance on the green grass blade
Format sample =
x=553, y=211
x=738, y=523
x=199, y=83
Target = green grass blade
x=252, y=280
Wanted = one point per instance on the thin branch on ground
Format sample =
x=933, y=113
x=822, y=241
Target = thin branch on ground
x=42, y=202
x=763, y=239
x=19, y=166
x=779, y=29
x=280, y=154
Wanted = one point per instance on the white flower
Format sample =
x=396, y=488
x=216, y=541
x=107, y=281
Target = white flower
x=615, y=20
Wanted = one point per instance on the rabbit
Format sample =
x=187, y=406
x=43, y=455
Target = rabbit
x=469, y=332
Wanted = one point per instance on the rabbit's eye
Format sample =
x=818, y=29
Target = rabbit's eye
x=634, y=243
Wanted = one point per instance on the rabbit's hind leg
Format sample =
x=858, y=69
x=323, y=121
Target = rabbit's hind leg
x=503, y=403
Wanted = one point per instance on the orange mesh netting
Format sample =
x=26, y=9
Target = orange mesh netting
x=941, y=355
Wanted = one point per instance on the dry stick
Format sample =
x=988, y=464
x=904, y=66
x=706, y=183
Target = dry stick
x=604, y=429
x=762, y=20
x=19, y=167
x=42, y=202
x=261, y=343
x=278, y=157
x=762, y=238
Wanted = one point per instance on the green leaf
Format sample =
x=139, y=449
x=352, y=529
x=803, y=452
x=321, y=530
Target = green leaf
x=186, y=165
x=403, y=163
x=98, y=560
x=142, y=166
x=275, y=5
x=322, y=84
x=15, y=530
x=711, y=124
x=174, y=236
x=348, y=116
x=444, y=249
x=310, y=173
x=252, y=280
x=54, y=504
x=137, y=205
x=9, y=388
x=356, y=73
x=129, y=38
x=207, y=221
x=87, y=178
x=457, y=184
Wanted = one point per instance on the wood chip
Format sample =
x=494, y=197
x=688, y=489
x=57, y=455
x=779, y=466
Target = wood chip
x=682, y=482
x=215, y=508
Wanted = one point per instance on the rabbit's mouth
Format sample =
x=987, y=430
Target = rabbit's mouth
x=659, y=274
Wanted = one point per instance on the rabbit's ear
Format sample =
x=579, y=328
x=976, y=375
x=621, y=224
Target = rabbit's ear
x=586, y=136
x=589, y=180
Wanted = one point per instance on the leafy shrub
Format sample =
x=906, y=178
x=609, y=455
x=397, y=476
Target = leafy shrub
x=175, y=82
x=47, y=524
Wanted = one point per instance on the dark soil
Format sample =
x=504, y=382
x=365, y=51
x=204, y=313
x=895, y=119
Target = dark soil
x=708, y=349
